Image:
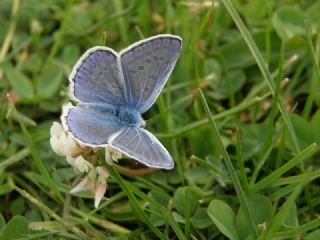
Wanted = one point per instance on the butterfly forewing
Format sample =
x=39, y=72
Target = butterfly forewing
x=97, y=78
x=146, y=67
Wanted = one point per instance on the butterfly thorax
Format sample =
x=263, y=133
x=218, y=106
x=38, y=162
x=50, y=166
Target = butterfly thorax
x=129, y=117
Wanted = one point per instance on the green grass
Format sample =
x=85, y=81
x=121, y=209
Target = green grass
x=240, y=116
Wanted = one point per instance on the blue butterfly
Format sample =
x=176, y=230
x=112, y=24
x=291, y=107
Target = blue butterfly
x=113, y=89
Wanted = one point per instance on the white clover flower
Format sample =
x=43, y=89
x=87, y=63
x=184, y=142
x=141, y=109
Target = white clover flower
x=70, y=147
x=95, y=182
x=62, y=143
x=55, y=145
x=103, y=173
x=81, y=164
x=101, y=186
x=100, y=190
x=70, y=160
x=112, y=155
x=116, y=155
x=108, y=158
x=87, y=184
x=56, y=129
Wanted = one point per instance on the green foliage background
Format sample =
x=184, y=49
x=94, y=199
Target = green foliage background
x=244, y=146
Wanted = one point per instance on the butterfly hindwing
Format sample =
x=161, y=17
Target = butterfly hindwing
x=141, y=145
x=89, y=125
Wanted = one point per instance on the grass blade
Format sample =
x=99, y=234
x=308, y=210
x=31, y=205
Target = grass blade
x=36, y=158
x=243, y=174
x=232, y=172
x=268, y=138
x=306, y=153
x=50, y=212
x=278, y=220
x=15, y=158
x=184, y=129
x=316, y=79
x=135, y=204
x=290, y=234
x=165, y=214
x=268, y=77
x=262, y=65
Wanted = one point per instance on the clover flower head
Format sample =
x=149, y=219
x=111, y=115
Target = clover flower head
x=82, y=165
x=56, y=129
x=95, y=179
x=86, y=184
x=103, y=173
x=62, y=143
x=101, y=186
x=94, y=182
x=112, y=155
x=100, y=190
